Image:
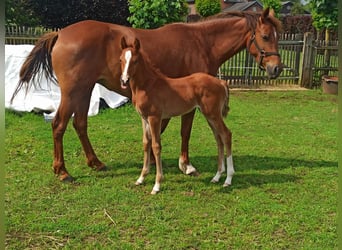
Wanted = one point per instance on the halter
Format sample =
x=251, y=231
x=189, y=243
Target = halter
x=262, y=52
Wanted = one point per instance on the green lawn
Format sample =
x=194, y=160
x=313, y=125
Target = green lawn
x=284, y=192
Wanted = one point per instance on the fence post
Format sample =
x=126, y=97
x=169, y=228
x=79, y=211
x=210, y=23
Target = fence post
x=305, y=71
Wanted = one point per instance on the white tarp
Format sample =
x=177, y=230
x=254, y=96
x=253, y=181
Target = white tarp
x=48, y=97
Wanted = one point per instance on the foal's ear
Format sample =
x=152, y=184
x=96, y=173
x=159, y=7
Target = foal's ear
x=136, y=44
x=123, y=43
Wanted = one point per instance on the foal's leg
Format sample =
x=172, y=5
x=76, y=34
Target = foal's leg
x=147, y=151
x=80, y=123
x=155, y=124
x=220, y=148
x=184, y=163
x=226, y=137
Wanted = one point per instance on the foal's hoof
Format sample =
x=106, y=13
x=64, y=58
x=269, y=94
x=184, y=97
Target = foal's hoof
x=213, y=180
x=226, y=184
x=154, y=192
x=195, y=173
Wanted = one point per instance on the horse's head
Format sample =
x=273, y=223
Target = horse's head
x=263, y=44
x=128, y=59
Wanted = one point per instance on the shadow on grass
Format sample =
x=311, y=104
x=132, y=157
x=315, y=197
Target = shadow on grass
x=251, y=162
x=249, y=170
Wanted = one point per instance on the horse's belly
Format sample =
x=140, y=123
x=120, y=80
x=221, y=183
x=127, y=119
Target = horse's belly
x=176, y=109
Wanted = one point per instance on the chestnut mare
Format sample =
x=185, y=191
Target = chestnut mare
x=88, y=52
x=158, y=97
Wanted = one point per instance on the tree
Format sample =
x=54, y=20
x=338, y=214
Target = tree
x=324, y=14
x=272, y=4
x=208, y=7
x=151, y=14
x=297, y=8
x=18, y=13
x=58, y=14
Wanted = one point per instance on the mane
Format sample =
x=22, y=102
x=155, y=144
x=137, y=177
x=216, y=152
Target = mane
x=251, y=18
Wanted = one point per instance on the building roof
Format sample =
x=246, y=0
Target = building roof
x=242, y=6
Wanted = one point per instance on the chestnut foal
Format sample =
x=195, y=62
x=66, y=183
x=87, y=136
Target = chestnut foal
x=158, y=97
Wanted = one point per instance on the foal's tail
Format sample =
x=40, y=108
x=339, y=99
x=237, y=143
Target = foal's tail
x=225, y=108
x=37, y=61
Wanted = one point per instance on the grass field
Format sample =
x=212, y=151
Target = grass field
x=284, y=192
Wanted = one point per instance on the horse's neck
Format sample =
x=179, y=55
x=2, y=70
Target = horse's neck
x=145, y=76
x=227, y=36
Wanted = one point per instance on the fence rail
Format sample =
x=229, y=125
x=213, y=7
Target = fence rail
x=305, y=60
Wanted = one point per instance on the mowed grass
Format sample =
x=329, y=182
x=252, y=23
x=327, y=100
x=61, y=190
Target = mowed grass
x=284, y=192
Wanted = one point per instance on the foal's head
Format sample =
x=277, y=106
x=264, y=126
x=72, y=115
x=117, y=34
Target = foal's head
x=128, y=59
x=263, y=44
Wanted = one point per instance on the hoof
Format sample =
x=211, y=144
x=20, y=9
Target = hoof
x=226, y=184
x=137, y=183
x=67, y=179
x=154, y=192
x=214, y=181
x=101, y=168
x=195, y=173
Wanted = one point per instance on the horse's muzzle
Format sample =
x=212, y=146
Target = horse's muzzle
x=273, y=71
x=124, y=83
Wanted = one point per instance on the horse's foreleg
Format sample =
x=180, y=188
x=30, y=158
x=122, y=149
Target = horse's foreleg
x=184, y=162
x=147, y=152
x=80, y=124
x=164, y=124
x=155, y=124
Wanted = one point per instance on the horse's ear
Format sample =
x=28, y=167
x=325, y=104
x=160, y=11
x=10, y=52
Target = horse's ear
x=272, y=13
x=123, y=43
x=265, y=14
x=136, y=44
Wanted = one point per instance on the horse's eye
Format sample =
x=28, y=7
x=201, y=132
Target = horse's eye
x=265, y=37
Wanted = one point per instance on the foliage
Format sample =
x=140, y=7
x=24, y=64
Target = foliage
x=283, y=194
x=297, y=24
x=297, y=8
x=18, y=13
x=208, y=7
x=324, y=14
x=272, y=4
x=58, y=14
x=152, y=14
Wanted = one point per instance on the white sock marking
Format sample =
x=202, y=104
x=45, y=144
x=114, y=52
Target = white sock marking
x=230, y=171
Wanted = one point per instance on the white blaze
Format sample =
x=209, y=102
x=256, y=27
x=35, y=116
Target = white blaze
x=128, y=56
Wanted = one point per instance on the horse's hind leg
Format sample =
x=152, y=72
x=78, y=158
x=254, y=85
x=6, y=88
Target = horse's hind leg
x=227, y=140
x=59, y=124
x=220, y=147
x=226, y=137
x=184, y=163
x=80, y=124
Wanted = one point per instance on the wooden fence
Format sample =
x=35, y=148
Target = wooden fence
x=305, y=60
x=16, y=35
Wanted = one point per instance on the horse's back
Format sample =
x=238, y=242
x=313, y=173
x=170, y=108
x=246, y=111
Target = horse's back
x=88, y=51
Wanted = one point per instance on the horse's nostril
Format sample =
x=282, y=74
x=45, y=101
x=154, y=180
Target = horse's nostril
x=276, y=70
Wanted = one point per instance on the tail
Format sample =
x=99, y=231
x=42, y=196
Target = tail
x=225, y=108
x=37, y=61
